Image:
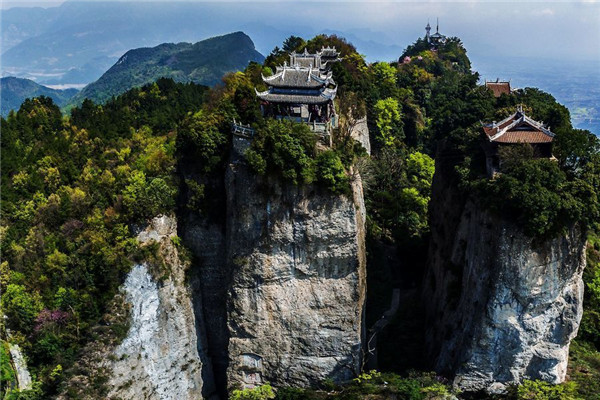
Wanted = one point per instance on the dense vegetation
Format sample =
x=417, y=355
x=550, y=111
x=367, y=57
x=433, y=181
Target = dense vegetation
x=73, y=188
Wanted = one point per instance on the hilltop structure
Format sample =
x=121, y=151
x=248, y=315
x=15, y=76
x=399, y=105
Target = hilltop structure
x=435, y=39
x=498, y=88
x=515, y=129
x=303, y=91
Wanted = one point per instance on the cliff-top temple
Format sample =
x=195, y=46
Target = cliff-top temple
x=303, y=91
x=515, y=129
x=434, y=39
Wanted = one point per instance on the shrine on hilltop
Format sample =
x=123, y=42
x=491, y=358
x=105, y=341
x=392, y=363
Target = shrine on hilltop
x=436, y=38
x=303, y=91
x=518, y=128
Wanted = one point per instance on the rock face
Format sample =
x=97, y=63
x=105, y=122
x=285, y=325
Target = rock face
x=163, y=355
x=298, y=282
x=281, y=271
x=23, y=376
x=502, y=307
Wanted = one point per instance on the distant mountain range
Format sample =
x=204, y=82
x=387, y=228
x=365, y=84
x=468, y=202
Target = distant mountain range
x=13, y=91
x=204, y=62
x=77, y=41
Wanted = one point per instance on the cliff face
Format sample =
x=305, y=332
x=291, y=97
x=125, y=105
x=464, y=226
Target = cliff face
x=281, y=271
x=297, y=288
x=502, y=307
x=163, y=355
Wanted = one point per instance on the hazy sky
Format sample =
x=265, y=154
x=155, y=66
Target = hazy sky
x=554, y=30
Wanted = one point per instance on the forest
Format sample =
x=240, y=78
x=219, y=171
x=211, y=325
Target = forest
x=74, y=187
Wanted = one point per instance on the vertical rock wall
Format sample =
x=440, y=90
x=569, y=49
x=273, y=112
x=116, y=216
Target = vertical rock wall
x=502, y=307
x=163, y=356
x=280, y=270
x=295, y=305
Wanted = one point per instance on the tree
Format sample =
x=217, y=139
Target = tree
x=293, y=43
x=388, y=120
x=284, y=148
x=20, y=307
x=331, y=172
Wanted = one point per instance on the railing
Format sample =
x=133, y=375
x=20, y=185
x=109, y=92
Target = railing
x=322, y=129
x=242, y=130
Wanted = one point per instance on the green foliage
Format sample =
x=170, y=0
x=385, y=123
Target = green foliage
x=203, y=132
x=263, y=392
x=293, y=43
x=388, y=120
x=378, y=385
x=584, y=367
x=286, y=149
x=144, y=198
x=540, y=390
x=20, y=306
x=331, y=172
x=399, y=195
x=35, y=393
x=538, y=196
x=71, y=188
x=7, y=373
x=590, y=323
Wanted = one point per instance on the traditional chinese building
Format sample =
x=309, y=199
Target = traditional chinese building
x=515, y=129
x=303, y=91
x=498, y=88
x=435, y=39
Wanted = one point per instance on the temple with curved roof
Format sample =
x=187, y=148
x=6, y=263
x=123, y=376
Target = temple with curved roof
x=303, y=91
x=517, y=128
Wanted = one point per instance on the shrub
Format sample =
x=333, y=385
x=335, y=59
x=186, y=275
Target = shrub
x=540, y=390
x=263, y=392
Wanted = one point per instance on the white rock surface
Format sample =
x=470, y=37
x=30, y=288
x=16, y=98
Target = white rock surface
x=159, y=358
x=23, y=376
x=295, y=304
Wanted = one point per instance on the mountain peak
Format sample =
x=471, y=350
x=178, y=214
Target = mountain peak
x=204, y=62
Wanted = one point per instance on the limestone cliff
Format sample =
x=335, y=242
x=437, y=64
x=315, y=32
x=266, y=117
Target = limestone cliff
x=298, y=282
x=162, y=353
x=281, y=271
x=502, y=307
x=163, y=356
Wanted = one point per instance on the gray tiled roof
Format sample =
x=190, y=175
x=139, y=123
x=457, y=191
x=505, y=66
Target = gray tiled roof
x=298, y=96
x=297, y=78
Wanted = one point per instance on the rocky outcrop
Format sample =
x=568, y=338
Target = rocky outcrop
x=297, y=292
x=163, y=355
x=502, y=307
x=20, y=365
x=281, y=272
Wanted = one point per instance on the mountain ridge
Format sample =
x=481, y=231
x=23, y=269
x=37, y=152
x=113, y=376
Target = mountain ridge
x=204, y=62
x=14, y=91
